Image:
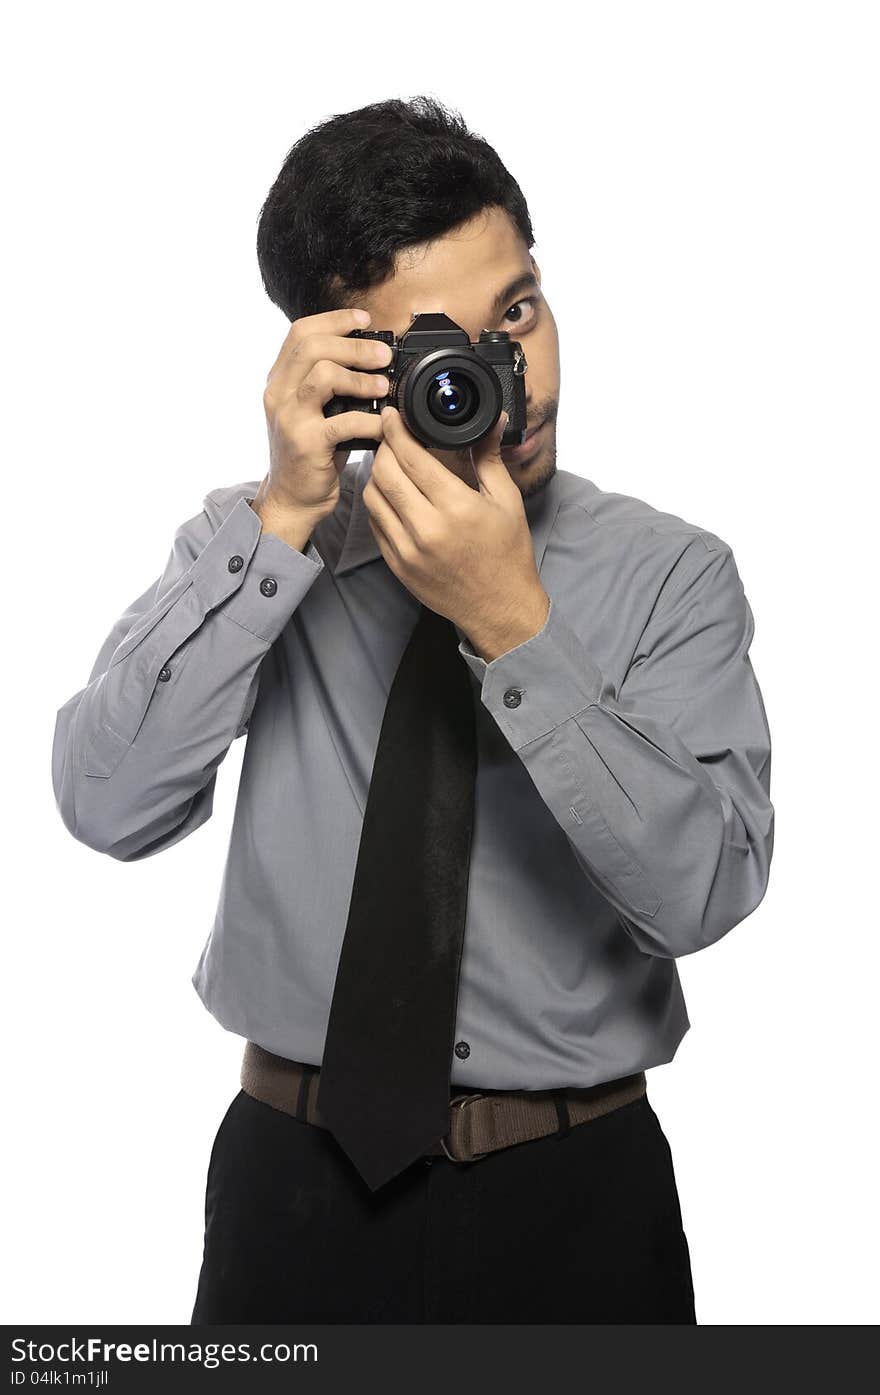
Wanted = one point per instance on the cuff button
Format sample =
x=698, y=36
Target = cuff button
x=513, y=697
x=235, y=563
x=268, y=586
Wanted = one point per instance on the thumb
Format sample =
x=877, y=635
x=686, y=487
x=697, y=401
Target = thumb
x=492, y=472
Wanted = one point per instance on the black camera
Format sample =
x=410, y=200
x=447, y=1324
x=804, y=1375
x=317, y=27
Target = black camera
x=449, y=392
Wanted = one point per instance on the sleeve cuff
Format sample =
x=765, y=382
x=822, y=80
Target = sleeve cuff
x=267, y=578
x=538, y=684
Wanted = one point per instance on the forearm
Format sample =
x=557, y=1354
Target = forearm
x=135, y=753
x=681, y=858
x=681, y=848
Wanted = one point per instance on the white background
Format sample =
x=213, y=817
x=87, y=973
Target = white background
x=702, y=180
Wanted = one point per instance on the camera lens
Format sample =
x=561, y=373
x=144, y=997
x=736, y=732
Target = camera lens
x=448, y=398
x=451, y=397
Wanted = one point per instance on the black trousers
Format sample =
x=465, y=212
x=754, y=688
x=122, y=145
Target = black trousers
x=579, y=1228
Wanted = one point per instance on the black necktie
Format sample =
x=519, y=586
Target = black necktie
x=384, y=1085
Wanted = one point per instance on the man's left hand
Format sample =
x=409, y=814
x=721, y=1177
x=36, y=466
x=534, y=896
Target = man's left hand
x=466, y=553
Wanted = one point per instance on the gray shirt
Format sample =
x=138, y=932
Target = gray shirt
x=623, y=815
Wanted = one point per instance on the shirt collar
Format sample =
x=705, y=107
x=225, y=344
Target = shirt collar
x=360, y=546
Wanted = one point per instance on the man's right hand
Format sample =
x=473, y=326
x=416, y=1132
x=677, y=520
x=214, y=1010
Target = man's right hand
x=316, y=362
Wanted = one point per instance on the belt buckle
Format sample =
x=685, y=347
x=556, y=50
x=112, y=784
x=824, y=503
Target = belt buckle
x=460, y=1101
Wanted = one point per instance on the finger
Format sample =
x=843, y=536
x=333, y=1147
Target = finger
x=382, y=539
x=492, y=473
x=348, y=426
x=370, y=356
x=387, y=474
x=381, y=510
x=327, y=378
x=431, y=479
x=336, y=322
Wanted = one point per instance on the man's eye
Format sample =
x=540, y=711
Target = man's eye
x=530, y=301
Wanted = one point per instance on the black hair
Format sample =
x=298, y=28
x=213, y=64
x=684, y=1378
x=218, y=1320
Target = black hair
x=363, y=185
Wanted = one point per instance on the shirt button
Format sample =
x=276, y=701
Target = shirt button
x=462, y=1049
x=235, y=563
x=268, y=586
x=513, y=697
x=164, y=674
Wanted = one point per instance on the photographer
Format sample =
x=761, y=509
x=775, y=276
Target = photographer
x=506, y=761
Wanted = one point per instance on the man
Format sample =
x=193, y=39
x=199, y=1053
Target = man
x=580, y=778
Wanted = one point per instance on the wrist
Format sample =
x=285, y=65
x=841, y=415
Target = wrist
x=492, y=636
x=291, y=524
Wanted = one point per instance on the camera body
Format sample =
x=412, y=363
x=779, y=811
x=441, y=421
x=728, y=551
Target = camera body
x=449, y=392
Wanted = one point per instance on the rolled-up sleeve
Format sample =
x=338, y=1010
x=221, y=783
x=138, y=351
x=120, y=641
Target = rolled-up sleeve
x=662, y=788
x=136, y=751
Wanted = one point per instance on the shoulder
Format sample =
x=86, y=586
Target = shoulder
x=629, y=522
x=643, y=555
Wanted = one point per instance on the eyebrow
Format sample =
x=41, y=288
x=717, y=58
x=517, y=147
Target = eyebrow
x=526, y=281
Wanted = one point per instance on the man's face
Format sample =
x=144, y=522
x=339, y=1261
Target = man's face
x=483, y=277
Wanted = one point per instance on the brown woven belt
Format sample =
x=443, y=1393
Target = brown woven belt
x=480, y=1121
